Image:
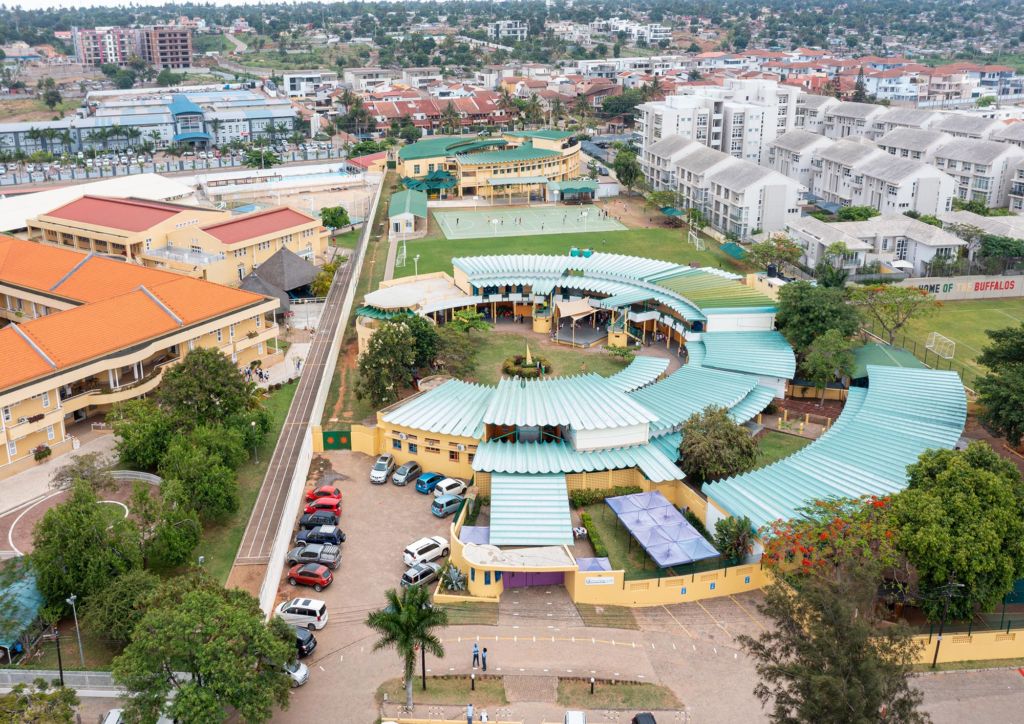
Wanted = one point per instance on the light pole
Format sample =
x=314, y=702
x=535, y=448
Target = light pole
x=255, y=453
x=948, y=591
x=78, y=634
x=416, y=264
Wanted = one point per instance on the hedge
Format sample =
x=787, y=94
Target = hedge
x=595, y=538
x=589, y=496
x=695, y=522
x=474, y=510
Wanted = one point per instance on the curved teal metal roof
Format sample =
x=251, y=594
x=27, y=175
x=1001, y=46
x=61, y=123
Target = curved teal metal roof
x=453, y=408
x=542, y=458
x=758, y=353
x=180, y=103
x=690, y=389
x=866, y=452
x=642, y=371
x=529, y=510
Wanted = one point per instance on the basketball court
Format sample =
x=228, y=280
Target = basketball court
x=526, y=221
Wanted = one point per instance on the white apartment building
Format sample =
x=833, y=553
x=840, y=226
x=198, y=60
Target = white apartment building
x=961, y=125
x=650, y=33
x=363, y=79
x=1011, y=133
x=610, y=67
x=792, y=153
x=307, y=83
x=847, y=119
x=513, y=30
x=658, y=161
x=894, y=118
x=982, y=169
x=849, y=173
x=420, y=78
x=886, y=238
x=918, y=144
x=1016, y=193
x=811, y=111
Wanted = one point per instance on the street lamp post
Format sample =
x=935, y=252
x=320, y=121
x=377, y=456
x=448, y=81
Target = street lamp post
x=255, y=450
x=60, y=661
x=416, y=264
x=947, y=592
x=78, y=634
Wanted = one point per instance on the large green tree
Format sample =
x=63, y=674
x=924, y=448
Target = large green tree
x=334, y=217
x=407, y=624
x=205, y=388
x=827, y=359
x=426, y=339
x=892, y=307
x=961, y=520
x=116, y=609
x=142, y=431
x=198, y=479
x=39, y=703
x=777, y=251
x=168, y=532
x=806, y=312
x=627, y=169
x=78, y=548
x=234, y=659
x=1001, y=390
x=715, y=447
x=385, y=367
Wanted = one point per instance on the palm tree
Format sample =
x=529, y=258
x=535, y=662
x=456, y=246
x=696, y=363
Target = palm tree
x=507, y=103
x=406, y=624
x=451, y=119
x=532, y=112
x=132, y=134
x=582, y=110
x=555, y=112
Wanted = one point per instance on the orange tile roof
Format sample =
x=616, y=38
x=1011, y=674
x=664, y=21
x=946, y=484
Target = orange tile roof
x=256, y=224
x=125, y=214
x=123, y=305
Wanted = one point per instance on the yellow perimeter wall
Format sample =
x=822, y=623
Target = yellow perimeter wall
x=985, y=646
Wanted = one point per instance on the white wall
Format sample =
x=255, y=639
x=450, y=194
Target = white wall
x=612, y=437
x=741, y=322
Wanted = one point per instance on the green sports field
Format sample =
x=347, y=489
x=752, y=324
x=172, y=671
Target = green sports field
x=495, y=222
x=965, y=323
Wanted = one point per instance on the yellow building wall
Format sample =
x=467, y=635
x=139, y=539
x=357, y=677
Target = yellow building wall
x=983, y=646
x=608, y=588
x=422, y=166
x=433, y=451
x=365, y=440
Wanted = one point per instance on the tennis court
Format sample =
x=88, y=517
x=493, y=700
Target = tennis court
x=491, y=221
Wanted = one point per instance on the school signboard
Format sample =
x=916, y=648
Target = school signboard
x=972, y=287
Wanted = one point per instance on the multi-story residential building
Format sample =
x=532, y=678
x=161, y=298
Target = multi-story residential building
x=511, y=30
x=1016, y=191
x=792, y=153
x=816, y=237
x=308, y=83
x=1011, y=133
x=84, y=332
x=166, y=46
x=982, y=169
x=915, y=143
x=811, y=111
x=895, y=118
x=737, y=197
x=961, y=125
x=847, y=119
x=363, y=79
x=421, y=78
x=610, y=67
x=480, y=108
x=650, y=33
x=98, y=46
x=194, y=116
x=209, y=244
x=849, y=173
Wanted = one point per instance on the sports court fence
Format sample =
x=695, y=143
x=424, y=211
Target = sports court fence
x=919, y=348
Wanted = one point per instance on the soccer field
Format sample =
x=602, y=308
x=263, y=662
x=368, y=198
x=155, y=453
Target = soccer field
x=494, y=222
x=965, y=323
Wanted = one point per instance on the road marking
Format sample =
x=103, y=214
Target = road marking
x=712, y=617
x=680, y=623
x=744, y=609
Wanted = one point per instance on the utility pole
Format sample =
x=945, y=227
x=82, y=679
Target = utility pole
x=947, y=591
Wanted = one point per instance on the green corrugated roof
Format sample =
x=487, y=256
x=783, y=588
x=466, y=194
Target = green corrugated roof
x=540, y=458
x=690, y=389
x=529, y=510
x=445, y=146
x=23, y=602
x=758, y=353
x=548, y=134
x=576, y=185
x=408, y=202
x=375, y=313
x=711, y=289
x=583, y=402
x=866, y=452
x=525, y=152
x=453, y=408
x=884, y=355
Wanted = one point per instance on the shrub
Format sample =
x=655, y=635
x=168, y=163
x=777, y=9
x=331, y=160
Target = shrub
x=696, y=523
x=516, y=366
x=590, y=496
x=595, y=538
x=478, y=502
x=42, y=452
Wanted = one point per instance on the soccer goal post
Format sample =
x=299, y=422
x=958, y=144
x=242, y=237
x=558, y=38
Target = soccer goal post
x=942, y=346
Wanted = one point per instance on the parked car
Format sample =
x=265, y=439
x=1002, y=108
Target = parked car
x=331, y=505
x=406, y=474
x=305, y=641
x=425, y=549
x=323, y=491
x=116, y=716
x=311, y=574
x=644, y=717
x=382, y=469
x=329, y=555
x=445, y=505
x=426, y=481
x=575, y=717
x=331, y=534
x=421, y=574
x=321, y=517
x=308, y=612
x=298, y=672
x=450, y=486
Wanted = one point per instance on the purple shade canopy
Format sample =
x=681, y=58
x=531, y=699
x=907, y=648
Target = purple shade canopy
x=480, y=534
x=593, y=564
x=663, y=531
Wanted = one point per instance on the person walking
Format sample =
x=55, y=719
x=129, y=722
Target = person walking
x=484, y=658
x=484, y=717
x=469, y=714
x=476, y=655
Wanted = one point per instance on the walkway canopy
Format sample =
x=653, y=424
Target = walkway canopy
x=577, y=309
x=664, y=533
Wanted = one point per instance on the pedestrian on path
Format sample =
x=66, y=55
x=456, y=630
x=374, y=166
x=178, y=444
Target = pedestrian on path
x=483, y=716
x=485, y=658
x=469, y=714
x=476, y=655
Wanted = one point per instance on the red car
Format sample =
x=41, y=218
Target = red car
x=331, y=505
x=310, y=574
x=324, y=491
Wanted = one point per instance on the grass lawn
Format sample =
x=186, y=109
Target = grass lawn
x=278, y=344
x=965, y=323
x=220, y=543
x=981, y=664
x=97, y=650
x=617, y=540
x=777, y=445
x=607, y=616
x=490, y=691
x=461, y=614
x=666, y=244
x=563, y=360
x=347, y=240
x=575, y=694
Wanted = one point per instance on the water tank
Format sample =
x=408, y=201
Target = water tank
x=773, y=271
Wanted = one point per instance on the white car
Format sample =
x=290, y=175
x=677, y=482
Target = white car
x=382, y=469
x=308, y=612
x=450, y=486
x=298, y=672
x=425, y=549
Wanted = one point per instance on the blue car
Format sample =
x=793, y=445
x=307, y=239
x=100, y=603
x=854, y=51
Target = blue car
x=427, y=482
x=445, y=505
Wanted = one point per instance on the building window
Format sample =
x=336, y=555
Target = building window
x=7, y=414
x=487, y=578
x=435, y=450
x=12, y=449
x=49, y=432
x=497, y=576
x=470, y=458
x=231, y=331
x=191, y=345
x=472, y=571
x=413, y=448
x=220, y=335
x=453, y=456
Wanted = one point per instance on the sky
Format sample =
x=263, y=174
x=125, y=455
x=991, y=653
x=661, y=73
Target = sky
x=38, y=4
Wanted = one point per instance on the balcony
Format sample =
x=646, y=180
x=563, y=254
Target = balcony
x=92, y=392
x=35, y=423
x=261, y=336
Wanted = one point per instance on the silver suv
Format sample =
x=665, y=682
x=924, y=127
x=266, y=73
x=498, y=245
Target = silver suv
x=329, y=555
x=382, y=469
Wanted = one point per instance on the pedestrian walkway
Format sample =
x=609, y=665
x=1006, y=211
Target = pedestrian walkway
x=86, y=683
x=34, y=483
x=288, y=368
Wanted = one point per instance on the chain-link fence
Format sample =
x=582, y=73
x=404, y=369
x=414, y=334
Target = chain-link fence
x=918, y=347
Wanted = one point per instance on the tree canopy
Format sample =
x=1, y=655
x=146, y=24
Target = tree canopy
x=627, y=169
x=806, y=312
x=892, y=307
x=715, y=447
x=777, y=251
x=386, y=366
x=205, y=388
x=334, y=217
x=117, y=609
x=827, y=359
x=38, y=702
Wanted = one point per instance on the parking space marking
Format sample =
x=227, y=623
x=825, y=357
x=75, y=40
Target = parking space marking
x=744, y=609
x=712, y=617
x=680, y=623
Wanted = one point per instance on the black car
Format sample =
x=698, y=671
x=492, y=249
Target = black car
x=315, y=520
x=642, y=718
x=305, y=641
x=331, y=534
